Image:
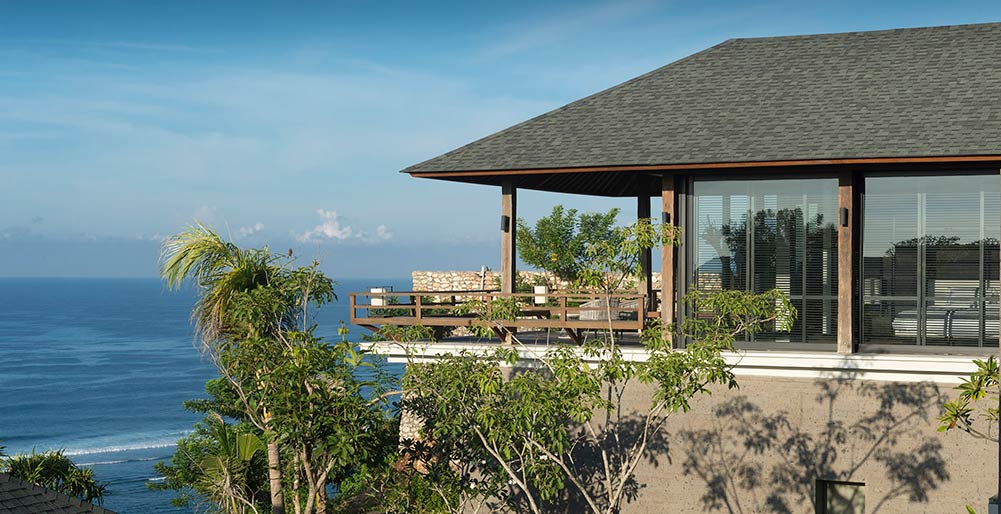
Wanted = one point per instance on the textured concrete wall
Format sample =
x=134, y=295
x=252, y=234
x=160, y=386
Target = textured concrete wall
x=762, y=447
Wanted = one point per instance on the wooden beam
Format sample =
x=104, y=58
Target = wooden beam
x=713, y=165
x=646, y=260
x=667, y=301
x=509, y=221
x=846, y=268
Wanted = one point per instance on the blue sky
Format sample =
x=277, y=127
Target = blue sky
x=287, y=123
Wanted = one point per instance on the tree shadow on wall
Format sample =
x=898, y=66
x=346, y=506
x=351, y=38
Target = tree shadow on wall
x=753, y=460
x=587, y=462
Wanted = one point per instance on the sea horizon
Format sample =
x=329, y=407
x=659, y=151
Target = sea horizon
x=100, y=371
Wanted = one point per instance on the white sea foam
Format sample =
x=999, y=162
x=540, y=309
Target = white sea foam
x=121, y=448
x=123, y=443
x=110, y=462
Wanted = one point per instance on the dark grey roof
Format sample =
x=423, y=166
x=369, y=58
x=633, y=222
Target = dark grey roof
x=20, y=497
x=896, y=93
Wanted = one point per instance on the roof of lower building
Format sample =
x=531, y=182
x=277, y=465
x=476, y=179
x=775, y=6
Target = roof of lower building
x=920, y=92
x=20, y=497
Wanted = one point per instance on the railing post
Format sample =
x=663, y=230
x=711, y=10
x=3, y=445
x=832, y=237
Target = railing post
x=417, y=303
x=563, y=308
x=351, y=307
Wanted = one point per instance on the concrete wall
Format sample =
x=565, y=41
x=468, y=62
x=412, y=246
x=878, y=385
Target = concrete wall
x=762, y=447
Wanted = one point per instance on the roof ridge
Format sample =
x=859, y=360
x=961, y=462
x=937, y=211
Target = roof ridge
x=873, y=32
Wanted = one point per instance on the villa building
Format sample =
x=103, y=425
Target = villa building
x=860, y=174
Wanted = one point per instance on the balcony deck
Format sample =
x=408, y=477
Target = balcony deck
x=573, y=313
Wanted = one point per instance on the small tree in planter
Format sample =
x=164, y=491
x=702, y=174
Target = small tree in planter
x=558, y=242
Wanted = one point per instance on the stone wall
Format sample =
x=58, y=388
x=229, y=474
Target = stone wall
x=475, y=281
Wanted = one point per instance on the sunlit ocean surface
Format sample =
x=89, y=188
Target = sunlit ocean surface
x=99, y=367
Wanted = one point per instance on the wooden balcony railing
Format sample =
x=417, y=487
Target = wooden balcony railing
x=571, y=311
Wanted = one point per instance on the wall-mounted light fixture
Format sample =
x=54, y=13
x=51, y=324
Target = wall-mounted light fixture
x=665, y=217
x=505, y=223
x=844, y=216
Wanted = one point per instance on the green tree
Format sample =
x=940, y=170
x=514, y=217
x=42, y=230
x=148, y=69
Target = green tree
x=522, y=440
x=559, y=241
x=254, y=317
x=978, y=394
x=978, y=398
x=208, y=464
x=54, y=470
x=222, y=272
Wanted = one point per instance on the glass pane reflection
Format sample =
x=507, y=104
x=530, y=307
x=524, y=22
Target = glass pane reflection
x=930, y=260
x=765, y=234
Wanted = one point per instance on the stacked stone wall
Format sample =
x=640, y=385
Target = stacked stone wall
x=490, y=281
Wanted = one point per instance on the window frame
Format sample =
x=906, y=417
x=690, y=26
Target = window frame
x=688, y=260
x=859, y=295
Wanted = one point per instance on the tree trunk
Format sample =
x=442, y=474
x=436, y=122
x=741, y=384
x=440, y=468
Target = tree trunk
x=275, y=479
x=321, y=500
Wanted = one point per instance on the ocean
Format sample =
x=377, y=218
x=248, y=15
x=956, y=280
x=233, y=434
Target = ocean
x=99, y=368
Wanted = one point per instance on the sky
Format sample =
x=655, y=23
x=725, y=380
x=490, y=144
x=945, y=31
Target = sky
x=286, y=123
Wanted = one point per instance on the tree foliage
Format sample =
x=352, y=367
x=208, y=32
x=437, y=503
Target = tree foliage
x=321, y=422
x=54, y=470
x=558, y=242
x=977, y=399
x=533, y=428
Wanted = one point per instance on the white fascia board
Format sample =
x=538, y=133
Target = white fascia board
x=944, y=369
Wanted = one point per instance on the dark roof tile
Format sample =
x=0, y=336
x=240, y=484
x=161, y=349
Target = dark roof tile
x=895, y=93
x=20, y=497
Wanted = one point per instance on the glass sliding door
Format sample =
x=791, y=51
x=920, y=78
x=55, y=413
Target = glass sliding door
x=930, y=260
x=781, y=234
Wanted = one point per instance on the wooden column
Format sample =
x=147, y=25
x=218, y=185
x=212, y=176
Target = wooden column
x=509, y=217
x=667, y=252
x=846, y=270
x=646, y=259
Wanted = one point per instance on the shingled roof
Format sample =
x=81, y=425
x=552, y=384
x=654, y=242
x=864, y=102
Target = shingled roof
x=922, y=92
x=20, y=497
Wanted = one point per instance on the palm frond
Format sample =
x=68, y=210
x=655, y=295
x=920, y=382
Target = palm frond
x=217, y=267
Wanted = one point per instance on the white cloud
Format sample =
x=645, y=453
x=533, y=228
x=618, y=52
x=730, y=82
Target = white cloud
x=157, y=237
x=330, y=228
x=206, y=215
x=251, y=230
x=334, y=228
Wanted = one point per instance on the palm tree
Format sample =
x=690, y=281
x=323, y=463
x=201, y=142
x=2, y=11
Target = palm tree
x=223, y=475
x=54, y=470
x=221, y=271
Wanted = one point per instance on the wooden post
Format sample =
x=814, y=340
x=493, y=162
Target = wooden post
x=646, y=262
x=846, y=270
x=509, y=217
x=667, y=253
